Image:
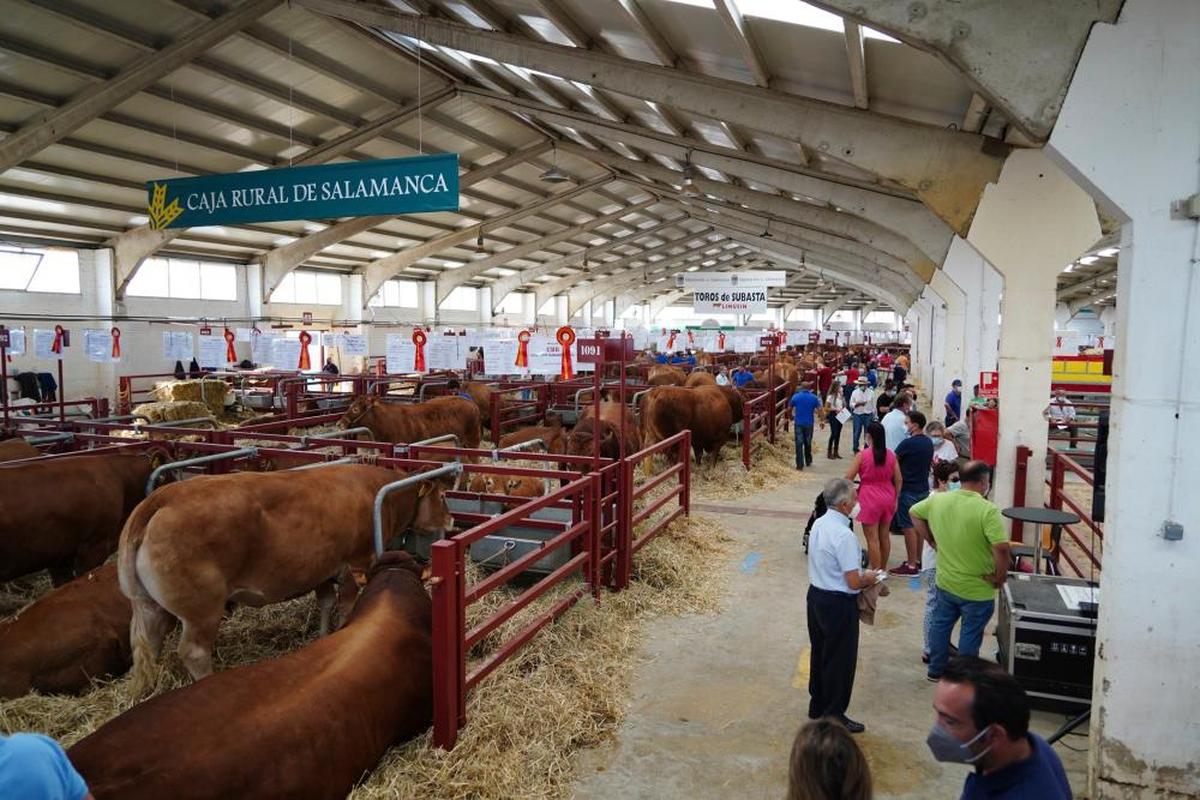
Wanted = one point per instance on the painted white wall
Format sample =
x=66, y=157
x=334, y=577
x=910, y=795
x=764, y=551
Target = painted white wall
x=1130, y=132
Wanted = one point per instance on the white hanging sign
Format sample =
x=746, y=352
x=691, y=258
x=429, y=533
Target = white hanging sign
x=16, y=342
x=177, y=345
x=729, y=301
x=261, y=348
x=353, y=344
x=98, y=346
x=285, y=353
x=499, y=357
x=402, y=353
x=748, y=279
x=446, y=352
x=211, y=351
x=43, y=340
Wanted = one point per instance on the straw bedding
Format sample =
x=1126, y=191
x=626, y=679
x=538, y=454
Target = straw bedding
x=771, y=465
x=171, y=410
x=562, y=692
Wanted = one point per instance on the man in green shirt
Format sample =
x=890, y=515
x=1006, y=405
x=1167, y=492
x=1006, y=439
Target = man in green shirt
x=972, y=561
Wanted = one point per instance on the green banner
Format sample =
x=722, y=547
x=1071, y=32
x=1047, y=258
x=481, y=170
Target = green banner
x=390, y=187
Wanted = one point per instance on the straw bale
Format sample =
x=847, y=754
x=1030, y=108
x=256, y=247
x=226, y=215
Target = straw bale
x=212, y=392
x=170, y=410
x=15, y=595
x=566, y=690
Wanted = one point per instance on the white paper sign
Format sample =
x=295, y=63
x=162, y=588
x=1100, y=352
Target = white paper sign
x=246, y=334
x=97, y=344
x=744, y=344
x=262, y=347
x=750, y=279
x=729, y=301
x=285, y=353
x=402, y=353
x=177, y=345
x=547, y=362
x=16, y=342
x=443, y=352
x=499, y=357
x=331, y=339
x=212, y=351
x=42, y=342
x=353, y=344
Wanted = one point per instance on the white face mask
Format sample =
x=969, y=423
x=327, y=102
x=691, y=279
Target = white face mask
x=854, y=511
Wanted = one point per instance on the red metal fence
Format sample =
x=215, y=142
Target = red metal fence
x=1083, y=542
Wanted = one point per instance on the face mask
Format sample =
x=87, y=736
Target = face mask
x=854, y=511
x=953, y=486
x=947, y=749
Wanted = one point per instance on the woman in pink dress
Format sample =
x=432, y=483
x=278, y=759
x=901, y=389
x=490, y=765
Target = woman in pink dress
x=879, y=485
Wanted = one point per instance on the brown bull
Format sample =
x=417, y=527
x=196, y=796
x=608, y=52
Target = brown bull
x=65, y=514
x=700, y=377
x=75, y=633
x=736, y=409
x=415, y=422
x=269, y=537
x=13, y=449
x=552, y=434
x=666, y=375
x=306, y=725
x=511, y=485
x=667, y=410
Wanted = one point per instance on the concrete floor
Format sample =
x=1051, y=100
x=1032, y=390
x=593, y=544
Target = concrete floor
x=717, y=700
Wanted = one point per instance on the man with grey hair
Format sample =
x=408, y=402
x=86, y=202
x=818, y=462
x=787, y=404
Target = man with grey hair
x=835, y=578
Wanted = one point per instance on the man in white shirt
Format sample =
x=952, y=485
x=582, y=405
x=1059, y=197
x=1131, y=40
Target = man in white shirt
x=722, y=377
x=895, y=422
x=1061, y=414
x=862, y=406
x=835, y=578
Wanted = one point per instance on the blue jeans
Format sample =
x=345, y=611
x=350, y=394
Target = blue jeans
x=804, y=436
x=861, y=421
x=950, y=607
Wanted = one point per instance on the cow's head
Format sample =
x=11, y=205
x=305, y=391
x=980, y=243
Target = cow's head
x=432, y=516
x=362, y=405
x=580, y=441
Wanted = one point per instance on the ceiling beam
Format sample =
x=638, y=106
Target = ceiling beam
x=899, y=214
x=550, y=288
x=868, y=234
x=857, y=56
x=450, y=280
x=736, y=24
x=661, y=48
x=1019, y=54
x=833, y=306
x=45, y=129
x=380, y=270
x=501, y=287
x=947, y=169
x=976, y=113
x=581, y=293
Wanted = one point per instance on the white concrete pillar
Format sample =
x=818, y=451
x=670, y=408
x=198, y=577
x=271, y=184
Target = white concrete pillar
x=352, y=298
x=1108, y=317
x=981, y=286
x=935, y=359
x=427, y=301
x=485, y=305
x=1130, y=132
x=953, y=344
x=1030, y=224
x=254, y=290
x=561, y=307
x=587, y=313
x=96, y=267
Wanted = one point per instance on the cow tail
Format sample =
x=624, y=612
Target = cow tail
x=145, y=671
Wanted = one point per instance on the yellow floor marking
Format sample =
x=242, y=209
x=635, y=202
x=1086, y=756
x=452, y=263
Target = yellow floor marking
x=800, y=679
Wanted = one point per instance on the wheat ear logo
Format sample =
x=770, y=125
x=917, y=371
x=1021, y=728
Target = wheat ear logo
x=161, y=214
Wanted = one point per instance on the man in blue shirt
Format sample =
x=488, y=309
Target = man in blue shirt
x=661, y=358
x=915, y=455
x=742, y=376
x=804, y=404
x=34, y=767
x=954, y=403
x=982, y=719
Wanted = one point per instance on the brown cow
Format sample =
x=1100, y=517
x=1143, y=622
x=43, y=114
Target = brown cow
x=552, y=434
x=306, y=725
x=667, y=410
x=481, y=395
x=13, y=449
x=666, y=375
x=75, y=633
x=700, y=377
x=65, y=514
x=736, y=408
x=510, y=485
x=414, y=422
x=271, y=537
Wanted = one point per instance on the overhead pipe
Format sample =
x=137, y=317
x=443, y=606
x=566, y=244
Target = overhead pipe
x=346, y=460
x=198, y=460
x=449, y=469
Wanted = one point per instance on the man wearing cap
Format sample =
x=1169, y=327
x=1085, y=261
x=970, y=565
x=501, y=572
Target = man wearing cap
x=862, y=406
x=953, y=403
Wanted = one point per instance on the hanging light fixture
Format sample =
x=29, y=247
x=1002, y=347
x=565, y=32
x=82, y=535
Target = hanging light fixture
x=688, y=177
x=554, y=174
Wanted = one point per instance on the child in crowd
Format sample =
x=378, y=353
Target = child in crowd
x=945, y=479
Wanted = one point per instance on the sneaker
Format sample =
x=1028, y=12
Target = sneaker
x=905, y=569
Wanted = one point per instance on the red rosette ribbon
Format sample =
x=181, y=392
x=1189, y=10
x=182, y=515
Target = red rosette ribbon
x=566, y=337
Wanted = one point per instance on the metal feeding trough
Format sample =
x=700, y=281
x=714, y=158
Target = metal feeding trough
x=256, y=399
x=498, y=549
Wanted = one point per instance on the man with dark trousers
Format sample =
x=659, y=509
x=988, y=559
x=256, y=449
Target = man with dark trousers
x=835, y=578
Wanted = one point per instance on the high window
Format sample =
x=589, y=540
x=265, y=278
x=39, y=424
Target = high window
x=39, y=270
x=306, y=287
x=184, y=279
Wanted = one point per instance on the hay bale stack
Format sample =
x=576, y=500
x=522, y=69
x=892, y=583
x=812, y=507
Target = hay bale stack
x=169, y=411
x=209, y=391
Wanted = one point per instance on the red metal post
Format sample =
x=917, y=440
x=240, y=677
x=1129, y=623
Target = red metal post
x=4, y=371
x=747, y=424
x=593, y=511
x=624, y=558
x=1019, y=480
x=495, y=401
x=685, y=477
x=62, y=392
x=447, y=681
x=1057, y=476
